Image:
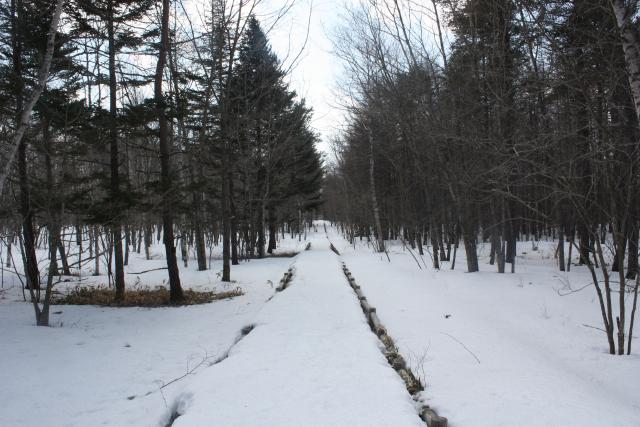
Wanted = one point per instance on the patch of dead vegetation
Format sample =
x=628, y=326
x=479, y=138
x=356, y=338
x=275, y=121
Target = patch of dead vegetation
x=139, y=297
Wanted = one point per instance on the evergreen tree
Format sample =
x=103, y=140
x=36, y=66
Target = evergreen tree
x=118, y=35
x=272, y=136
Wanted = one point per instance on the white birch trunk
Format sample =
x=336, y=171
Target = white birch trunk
x=625, y=11
x=43, y=75
x=374, y=198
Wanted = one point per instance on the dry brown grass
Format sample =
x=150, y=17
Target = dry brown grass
x=139, y=297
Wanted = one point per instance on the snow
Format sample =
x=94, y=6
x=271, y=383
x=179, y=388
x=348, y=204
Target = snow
x=502, y=350
x=106, y=366
x=493, y=350
x=311, y=360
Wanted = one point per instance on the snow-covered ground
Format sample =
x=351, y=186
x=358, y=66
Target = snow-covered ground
x=502, y=350
x=493, y=350
x=310, y=361
x=107, y=366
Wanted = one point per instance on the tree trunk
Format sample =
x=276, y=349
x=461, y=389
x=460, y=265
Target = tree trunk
x=435, y=246
x=96, y=270
x=9, y=246
x=470, y=250
x=440, y=234
x=201, y=250
x=42, y=316
x=455, y=252
x=139, y=248
x=561, y=261
x=184, y=251
x=632, y=256
x=127, y=243
x=63, y=256
x=511, y=242
x=115, y=211
x=148, y=238
x=261, y=236
x=226, y=224
x=28, y=235
x=175, y=289
x=234, y=226
x=583, y=235
x=272, y=231
x=625, y=12
x=495, y=241
x=621, y=243
x=374, y=199
x=79, y=238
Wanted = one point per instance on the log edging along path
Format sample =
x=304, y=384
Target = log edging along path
x=286, y=280
x=397, y=362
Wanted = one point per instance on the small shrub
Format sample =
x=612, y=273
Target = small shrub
x=139, y=297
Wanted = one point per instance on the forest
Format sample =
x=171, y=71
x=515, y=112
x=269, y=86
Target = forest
x=362, y=213
x=122, y=118
x=524, y=125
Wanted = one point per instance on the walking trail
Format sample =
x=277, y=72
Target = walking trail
x=311, y=359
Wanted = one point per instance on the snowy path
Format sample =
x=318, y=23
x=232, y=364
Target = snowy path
x=310, y=360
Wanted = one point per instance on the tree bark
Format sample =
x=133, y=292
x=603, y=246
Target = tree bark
x=226, y=224
x=96, y=241
x=116, y=227
x=201, y=250
x=176, y=295
x=63, y=256
x=434, y=246
x=272, y=231
x=561, y=264
x=470, y=250
x=234, y=226
x=374, y=198
x=632, y=256
x=625, y=11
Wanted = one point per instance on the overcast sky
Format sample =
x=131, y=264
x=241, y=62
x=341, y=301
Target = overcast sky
x=316, y=70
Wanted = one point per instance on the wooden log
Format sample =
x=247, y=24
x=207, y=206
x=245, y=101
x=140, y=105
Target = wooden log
x=365, y=306
x=388, y=343
x=404, y=374
x=389, y=355
x=333, y=248
x=413, y=385
x=432, y=418
x=377, y=327
x=398, y=363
